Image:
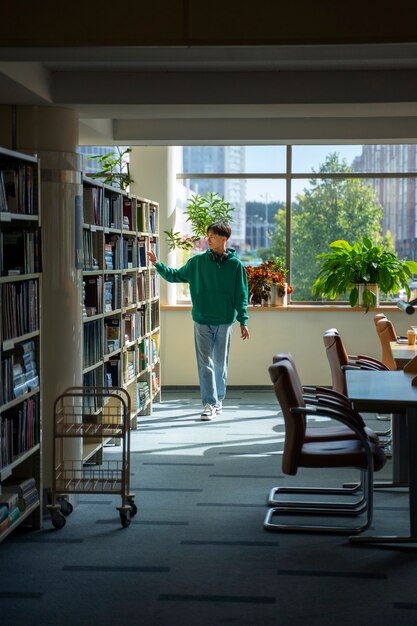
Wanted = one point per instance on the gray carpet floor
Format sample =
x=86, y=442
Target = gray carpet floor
x=196, y=552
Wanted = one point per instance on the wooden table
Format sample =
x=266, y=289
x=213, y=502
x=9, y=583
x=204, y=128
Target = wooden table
x=390, y=392
x=402, y=353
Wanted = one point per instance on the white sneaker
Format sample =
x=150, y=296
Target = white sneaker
x=218, y=407
x=209, y=412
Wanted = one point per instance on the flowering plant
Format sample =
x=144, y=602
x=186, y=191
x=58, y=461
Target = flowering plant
x=263, y=277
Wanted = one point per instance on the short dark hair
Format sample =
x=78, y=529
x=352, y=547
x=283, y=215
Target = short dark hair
x=220, y=228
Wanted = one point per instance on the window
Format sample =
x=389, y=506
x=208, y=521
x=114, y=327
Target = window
x=306, y=195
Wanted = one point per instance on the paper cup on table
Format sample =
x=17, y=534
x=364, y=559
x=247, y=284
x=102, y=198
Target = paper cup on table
x=411, y=336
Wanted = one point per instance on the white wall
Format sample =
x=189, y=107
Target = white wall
x=297, y=331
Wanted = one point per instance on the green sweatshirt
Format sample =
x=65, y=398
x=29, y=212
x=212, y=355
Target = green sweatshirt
x=219, y=290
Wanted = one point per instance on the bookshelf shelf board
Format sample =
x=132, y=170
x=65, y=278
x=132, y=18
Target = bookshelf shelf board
x=106, y=271
x=7, y=469
x=131, y=233
x=93, y=227
x=23, y=515
x=90, y=368
x=129, y=307
x=156, y=392
x=129, y=344
x=18, y=278
x=12, y=154
x=90, y=449
x=129, y=270
x=16, y=401
x=92, y=318
x=111, y=355
x=92, y=272
x=112, y=312
x=9, y=344
x=8, y=216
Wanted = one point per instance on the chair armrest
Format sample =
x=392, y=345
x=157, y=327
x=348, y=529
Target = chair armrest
x=331, y=403
x=337, y=414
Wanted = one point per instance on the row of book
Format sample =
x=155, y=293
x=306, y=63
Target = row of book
x=92, y=343
x=20, y=251
x=19, y=430
x=93, y=205
x=119, y=252
x=99, y=295
x=90, y=251
x=20, y=308
x=16, y=496
x=17, y=189
x=142, y=395
x=129, y=365
x=19, y=371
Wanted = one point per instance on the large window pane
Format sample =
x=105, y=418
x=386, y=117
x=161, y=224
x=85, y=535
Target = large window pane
x=324, y=210
x=234, y=159
x=379, y=159
x=256, y=204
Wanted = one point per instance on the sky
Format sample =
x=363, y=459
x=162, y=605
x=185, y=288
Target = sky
x=268, y=159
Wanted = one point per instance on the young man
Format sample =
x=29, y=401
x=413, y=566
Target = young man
x=219, y=295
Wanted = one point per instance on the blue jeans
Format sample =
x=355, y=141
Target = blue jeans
x=212, y=345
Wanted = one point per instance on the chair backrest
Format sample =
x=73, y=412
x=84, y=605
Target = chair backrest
x=287, y=356
x=287, y=390
x=379, y=316
x=337, y=357
x=386, y=333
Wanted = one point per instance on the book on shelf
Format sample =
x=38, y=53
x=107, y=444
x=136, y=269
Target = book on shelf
x=92, y=205
x=4, y=513
x=113, y=372
x=112, y=334
x=27, y=499
x=128, y=207
x=20, y=308
x=93, y=294
x=14, y=515
x=9, y=500
x=21, y=486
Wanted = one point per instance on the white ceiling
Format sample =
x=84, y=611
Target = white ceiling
x=190, y=94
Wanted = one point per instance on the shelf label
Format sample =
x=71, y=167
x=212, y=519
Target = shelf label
x=93, y=228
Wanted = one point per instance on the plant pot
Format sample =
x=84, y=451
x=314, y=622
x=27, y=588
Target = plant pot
x=371, y=287
x=275, y=299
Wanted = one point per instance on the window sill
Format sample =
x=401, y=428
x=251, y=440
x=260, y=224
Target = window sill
x=328, y=308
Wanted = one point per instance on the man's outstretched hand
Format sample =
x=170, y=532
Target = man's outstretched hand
x=152, y=257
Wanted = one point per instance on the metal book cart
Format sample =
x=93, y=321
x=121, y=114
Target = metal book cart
x=90, y=416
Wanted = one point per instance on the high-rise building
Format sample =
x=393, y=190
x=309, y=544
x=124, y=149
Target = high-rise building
x=397, y=196
x=219, y=160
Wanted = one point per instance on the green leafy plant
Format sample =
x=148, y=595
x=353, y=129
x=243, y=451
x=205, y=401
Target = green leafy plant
x=201, y=211
x=114, y=168
x=365, y=263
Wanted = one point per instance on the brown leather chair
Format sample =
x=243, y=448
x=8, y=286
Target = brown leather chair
x=324, y=395
x=359, y=453
x=340, y=360
x=386, y=333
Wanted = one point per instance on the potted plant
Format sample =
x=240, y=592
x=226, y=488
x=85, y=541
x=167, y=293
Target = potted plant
x=115, y=168
x=362, y=268
x=267, y=282
x=201, y=211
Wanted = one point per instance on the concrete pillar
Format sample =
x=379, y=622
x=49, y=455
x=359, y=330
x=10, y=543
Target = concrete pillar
x=153, y=169
x=52, y=134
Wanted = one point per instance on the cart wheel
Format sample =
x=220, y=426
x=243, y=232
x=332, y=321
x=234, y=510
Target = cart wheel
x=66, y=507
x=125, y=519
x=133, y=507
x=58, y=520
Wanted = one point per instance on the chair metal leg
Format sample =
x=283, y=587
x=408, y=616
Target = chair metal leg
x=271, y=525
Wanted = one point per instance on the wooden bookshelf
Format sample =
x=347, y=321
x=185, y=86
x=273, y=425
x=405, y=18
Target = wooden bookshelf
x=20, y=328
x=120, y=297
